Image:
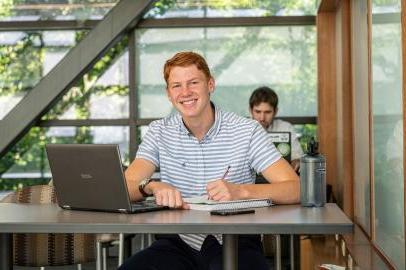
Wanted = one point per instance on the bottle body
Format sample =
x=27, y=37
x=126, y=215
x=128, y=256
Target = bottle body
x=313, y=180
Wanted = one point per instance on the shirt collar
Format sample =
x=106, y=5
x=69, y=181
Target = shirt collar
x=214, y=129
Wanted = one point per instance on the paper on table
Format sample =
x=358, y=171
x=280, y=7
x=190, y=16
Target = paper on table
x=202, y=203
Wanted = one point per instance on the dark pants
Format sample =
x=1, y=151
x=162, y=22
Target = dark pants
x=171, y=252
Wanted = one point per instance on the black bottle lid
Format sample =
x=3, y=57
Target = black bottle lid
x=312, y=147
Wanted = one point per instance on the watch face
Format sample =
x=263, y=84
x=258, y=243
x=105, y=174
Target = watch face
x=144, y=183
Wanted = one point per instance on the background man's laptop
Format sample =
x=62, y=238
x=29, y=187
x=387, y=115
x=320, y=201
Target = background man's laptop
x=90, y=177
x=282, y=142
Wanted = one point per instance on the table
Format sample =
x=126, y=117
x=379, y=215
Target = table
x=283, y=219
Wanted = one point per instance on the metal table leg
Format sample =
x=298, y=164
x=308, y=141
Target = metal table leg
x=278, y=255
x=6, y=251
x=230, y=252
x=292, y=252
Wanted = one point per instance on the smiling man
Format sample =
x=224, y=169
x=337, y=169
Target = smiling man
x=193, y=148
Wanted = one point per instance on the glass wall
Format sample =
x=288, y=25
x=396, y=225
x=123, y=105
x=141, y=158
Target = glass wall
x=98, y=108
x=241, y=8
x=240, y=58
x=387, y=109
x=362, y=187
x=26, y=57
x=28, y=10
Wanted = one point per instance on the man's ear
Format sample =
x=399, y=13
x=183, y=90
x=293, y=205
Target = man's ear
x=276, y=111
x=211, y=85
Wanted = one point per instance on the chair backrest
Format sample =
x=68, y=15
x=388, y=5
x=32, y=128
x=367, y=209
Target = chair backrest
x=48, y=249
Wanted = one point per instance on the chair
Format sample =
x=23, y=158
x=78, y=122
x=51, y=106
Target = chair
x=103, y=242
x=48, y=249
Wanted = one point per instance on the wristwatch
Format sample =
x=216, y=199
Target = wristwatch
x=142, y=185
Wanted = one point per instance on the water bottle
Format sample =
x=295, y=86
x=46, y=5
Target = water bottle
x=312, y=177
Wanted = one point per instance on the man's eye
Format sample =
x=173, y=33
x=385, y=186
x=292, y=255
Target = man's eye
x=175, y=86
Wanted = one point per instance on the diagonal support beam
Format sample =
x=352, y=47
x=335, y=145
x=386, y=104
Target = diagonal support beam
x=123, y=17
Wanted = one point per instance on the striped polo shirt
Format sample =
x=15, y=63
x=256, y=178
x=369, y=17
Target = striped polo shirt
x=189, y=164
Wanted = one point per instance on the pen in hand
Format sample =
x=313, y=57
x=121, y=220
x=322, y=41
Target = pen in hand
x=222, y=178
x=226, y=173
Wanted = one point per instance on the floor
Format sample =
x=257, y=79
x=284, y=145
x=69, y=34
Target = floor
x=314, y=251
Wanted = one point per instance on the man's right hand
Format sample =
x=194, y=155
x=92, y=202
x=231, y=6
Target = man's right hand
x=167, y=195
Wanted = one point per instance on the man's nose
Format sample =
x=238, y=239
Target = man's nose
x=185, y=89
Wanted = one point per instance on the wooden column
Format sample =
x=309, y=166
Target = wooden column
x=327, y=106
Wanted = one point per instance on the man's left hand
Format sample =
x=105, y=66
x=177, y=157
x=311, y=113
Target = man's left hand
x=295, y=164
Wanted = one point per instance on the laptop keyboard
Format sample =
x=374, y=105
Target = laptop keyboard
x=146, y=206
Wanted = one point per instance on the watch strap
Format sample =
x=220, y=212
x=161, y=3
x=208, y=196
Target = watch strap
x=142, y=185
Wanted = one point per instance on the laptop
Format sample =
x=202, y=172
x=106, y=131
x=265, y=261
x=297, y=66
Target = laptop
x=283, y=142
x=91, y=177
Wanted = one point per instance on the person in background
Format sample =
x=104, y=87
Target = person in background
x=203, y=150
x=263, y=108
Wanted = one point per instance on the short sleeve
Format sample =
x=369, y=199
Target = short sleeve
x=262, y=152
x=149, y=148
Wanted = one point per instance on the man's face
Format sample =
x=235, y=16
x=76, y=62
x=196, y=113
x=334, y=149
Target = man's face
x=263, y=113
x=189, y=91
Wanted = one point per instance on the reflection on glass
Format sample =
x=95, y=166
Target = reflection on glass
x=241, y=59
x=360, y=63
x=26, y=57
x=27, y=159
x=388, y=133
x=101, y=94
x=24, y=10
x=226, y=8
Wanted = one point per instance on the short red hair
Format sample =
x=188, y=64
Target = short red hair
x=185, y=59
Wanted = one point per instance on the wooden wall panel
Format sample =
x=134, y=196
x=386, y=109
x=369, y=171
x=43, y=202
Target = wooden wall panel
x=346, y=115
x=327, y=110
x=335, y=98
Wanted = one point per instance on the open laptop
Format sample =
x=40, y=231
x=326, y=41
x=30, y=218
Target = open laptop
x=283, y=142
x=91, y=177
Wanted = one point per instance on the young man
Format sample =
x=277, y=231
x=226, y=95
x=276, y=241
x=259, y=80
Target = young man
x=193, y=148
x=263, y=108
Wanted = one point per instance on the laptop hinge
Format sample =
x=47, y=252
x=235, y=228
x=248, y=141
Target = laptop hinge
x=122, y=210
x=66, y=207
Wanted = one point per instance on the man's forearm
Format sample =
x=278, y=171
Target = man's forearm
x=286, y=192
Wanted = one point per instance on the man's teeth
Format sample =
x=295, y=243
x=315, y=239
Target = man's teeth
x=188, y=102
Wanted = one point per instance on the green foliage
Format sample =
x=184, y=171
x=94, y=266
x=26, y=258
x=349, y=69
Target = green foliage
x=20, y=64
x=5, y=6
x=14, y=184
x=28, y=154
x=307, y=131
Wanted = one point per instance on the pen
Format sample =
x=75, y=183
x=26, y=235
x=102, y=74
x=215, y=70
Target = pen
x=226, y=173
x=222, y=178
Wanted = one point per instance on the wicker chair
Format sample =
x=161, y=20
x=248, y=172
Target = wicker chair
x=48, y=249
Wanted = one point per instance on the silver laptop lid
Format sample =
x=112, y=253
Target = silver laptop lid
x=88, y=176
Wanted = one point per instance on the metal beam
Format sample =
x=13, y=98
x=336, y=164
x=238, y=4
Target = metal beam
x=224, y=22
x=295, y=120
x=47, y=25
x=80, y=59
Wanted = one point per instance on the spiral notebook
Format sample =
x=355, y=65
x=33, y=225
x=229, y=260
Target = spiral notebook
x=203, y=204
